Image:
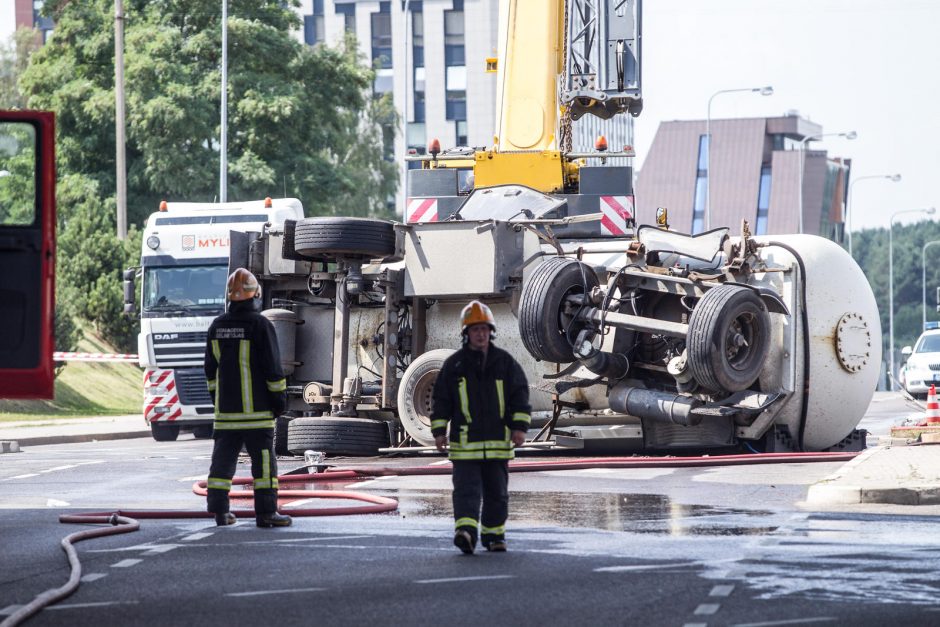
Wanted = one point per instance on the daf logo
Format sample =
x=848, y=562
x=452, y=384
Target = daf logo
x=165, y=336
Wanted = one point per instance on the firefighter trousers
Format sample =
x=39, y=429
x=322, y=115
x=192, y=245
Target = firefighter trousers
x=487, y=480
x=228, y=444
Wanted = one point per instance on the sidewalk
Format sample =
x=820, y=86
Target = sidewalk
x=887, y=474
x=65, y=430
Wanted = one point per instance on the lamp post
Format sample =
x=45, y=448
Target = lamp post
x=923, y=281
x=929, y=211
x=763, y=91
x=848, y=210
x=223, y=126
x=847, y=135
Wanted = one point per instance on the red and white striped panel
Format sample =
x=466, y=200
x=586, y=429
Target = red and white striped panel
x=165, y=406
x=618, y=213
x=70, y=356
x=421, y=210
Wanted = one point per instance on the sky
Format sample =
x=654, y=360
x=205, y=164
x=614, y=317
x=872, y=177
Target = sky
x=872, y=66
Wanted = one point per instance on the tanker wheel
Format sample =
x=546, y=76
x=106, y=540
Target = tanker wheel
x=335, y=237
x=729, y=337
x=415, y=394
x=202, y=432
x=337, y=436
x=547, y=331
x=281, y=425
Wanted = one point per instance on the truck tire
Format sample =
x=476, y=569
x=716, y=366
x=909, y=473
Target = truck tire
x=163, y=432
x=414, y=394
x=337, y=436
x=333, y=237
x=544, y=327
x=729, y=337
x=202, y=432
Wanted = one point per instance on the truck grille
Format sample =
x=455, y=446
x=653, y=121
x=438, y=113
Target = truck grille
x=175, y=350
x=191, y=386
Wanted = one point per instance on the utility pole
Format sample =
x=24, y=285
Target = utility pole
x=223, y=131
x=119, y=139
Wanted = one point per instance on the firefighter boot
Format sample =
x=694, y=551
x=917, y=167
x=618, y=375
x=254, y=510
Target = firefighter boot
x=464, y=541
x=273, y=520
x=496, y=546
x=224, y=519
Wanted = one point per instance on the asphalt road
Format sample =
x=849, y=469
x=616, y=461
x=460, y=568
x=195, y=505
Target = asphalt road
x=663, y=546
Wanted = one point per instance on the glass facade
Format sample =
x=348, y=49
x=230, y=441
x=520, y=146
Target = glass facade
x=763, y=201
x=382, y=37
x=455, y=63
x=315, y=25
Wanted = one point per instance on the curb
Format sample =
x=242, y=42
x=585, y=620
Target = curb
x=78, y=437
x=830, y=492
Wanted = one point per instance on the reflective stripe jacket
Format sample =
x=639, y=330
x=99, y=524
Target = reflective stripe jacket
x=482, y=402
x=243, y=369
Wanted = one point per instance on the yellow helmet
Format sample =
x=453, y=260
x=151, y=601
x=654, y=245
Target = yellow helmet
x=242, y=285
x=476, y=313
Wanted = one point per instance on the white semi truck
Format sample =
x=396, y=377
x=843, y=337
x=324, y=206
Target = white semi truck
x=184, y=265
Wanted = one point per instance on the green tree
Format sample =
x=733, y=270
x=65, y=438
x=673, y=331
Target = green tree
x=14, y=58
x=302, y=122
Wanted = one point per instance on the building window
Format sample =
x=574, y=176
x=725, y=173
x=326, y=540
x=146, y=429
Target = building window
x=419, y=95
x=763, y=201
x=701, y=187
x=348, y=11
x=314, y=25
x=382, y=37
x=417, y=137
x=417, y=35
x=461, y=133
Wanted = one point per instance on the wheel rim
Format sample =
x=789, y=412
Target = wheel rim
x=423, y=397
x=740, y=339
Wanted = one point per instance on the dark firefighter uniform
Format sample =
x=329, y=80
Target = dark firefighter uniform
x=244, y=374
x=483, y=395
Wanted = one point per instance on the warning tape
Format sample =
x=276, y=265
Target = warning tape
x=68, y=356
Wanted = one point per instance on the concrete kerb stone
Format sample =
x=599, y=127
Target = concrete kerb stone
x=9, y=446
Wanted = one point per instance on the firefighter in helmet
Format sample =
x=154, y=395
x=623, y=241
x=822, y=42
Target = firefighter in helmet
x=243, y=369
x=482, y=394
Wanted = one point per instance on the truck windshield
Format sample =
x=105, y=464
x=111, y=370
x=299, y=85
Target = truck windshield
x=199, y=290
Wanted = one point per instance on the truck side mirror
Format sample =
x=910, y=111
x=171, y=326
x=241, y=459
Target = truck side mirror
x=130, y=290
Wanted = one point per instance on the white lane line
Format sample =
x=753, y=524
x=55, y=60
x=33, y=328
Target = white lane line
x=264, y=592
x=56, y=503
x=196, y=536
x=721, y=591
x=794, y=621
x=10, y=609
x=305, y=540
x=164, y=548
x=455, y=579
x=76, y=606
x=93, y=577
x=75, y=465
x=706, y=609
x=695, y=625
x=196, y=478
x=126, y=563
x=362, y=483
x=624, y=569
x=440, y=463
x=26, y=476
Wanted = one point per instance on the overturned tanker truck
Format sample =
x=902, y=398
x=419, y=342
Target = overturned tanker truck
x=633, y=338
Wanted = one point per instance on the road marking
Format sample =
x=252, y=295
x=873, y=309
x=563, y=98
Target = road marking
x=164, y=548
x=707, y=609
x=623, y=569
x=32, y=474
x=263, y=592
x=721, y=591
x=75, y=465
x=795, y=621
x=10, y=609
x=695, y=625
x=196, y=478
x=362, y=483
x=195, y=536
x=56, y=503
x=455, y=579
x=93, y=577
x=126, y=563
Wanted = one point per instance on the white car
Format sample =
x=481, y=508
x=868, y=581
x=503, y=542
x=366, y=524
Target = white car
x=923, y=364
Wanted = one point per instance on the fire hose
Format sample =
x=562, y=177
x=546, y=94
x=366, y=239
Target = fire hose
x=126, y=521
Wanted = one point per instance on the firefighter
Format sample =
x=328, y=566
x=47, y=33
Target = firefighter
x=243, y=369
x=482, y=393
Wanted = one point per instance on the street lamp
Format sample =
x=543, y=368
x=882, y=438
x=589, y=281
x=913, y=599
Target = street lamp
x=923, y=281
x=763, y=91
x=848, y=205
x=929, y=211
x=847, y=135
